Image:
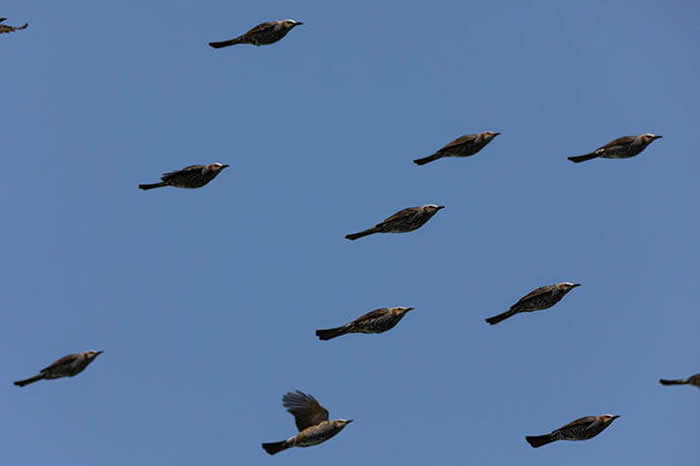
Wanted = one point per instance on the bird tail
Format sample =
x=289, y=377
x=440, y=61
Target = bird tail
x=427, y=159
x=500, y=317
x=327, y=334
x=226, y=43
x=36, y=378
x=537, y=441
x=152, y=186
x=354, y=236
x=22, y=27
x=583, y=158
x=673, y=381
x=275, y=447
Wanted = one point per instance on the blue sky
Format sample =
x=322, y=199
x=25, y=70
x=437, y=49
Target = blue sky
x=206, y=301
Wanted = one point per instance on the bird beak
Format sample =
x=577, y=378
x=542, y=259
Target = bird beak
x=98, y=353
x=440, y=207
x=657, y=137
x=409, y=309
x=614, y=417
x=496, y=134
x=298, y=23
x=225, y=166
x=348, y=421
x=575, y=285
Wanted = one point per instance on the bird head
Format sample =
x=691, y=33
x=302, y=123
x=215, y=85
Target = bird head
x=216, y=166
x=342, y=422
x=608, y=418
x=567, y=286
x=91, y=355
x=432, y=208
x=648, y=138
x=290, y=23
x=400, y=310
x=490, y=134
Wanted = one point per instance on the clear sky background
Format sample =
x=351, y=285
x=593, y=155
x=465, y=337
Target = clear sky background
x=206, y=301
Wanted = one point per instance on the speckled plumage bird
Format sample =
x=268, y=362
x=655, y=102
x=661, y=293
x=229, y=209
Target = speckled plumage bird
x=692, y=380
x=464, y=146
x=536, y=300
x=262, y=34
x=312, y=421
x=7, y=28
x=67, y=366
x=580, y=429
x=194, y=176
x=377, y=321
x=403, y=221
x=621, y=148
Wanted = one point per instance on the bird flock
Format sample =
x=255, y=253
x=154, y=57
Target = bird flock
x=311, y=418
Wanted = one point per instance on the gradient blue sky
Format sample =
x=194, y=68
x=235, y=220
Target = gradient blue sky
x=206, y=301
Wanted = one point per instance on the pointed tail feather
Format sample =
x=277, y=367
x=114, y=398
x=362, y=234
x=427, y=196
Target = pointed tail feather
x=22, y=27
x=226, y=43
x=275, y=447
x=22, y=383
x=354, y=236
x=500, y=317
x=583, y=158
x=152, y=186
x=327, y=334
x=673, y=381
x=537, y=441
x=427, y=159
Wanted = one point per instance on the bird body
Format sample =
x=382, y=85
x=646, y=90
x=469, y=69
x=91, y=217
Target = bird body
x=4, y=28
x=463, y=146
x=377, y=321
x=312, y=421
x=536, y=300
x=581, y=429
x=67, y=366
x=262, y=34
x=692, y=380
x=621, y=148
x=403, y=221
x=194, y=176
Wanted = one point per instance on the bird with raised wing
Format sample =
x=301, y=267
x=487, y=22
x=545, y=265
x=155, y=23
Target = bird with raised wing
x=403, y=221
x=311, y=420
x=464, y=146
x=542, y=298
x=194, y=176
x=377, y=321
x=67, y=366
x=580, y=429
x=621, y=148
x=262, y=34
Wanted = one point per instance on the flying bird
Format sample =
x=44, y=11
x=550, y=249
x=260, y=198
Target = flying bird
x=692, y=380
x=461, y=147
x=377, y=321
x=7, y=28
x=312, y=421
x=621, y=148
x=194, y=176
x=262, y=34
x=67, y=366
x=580, y=429
x=405, y=220
x=536, y=300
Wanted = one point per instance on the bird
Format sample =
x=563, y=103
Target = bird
x=580, y=429
x=464, y=146
x=7, y=28
x=194, y=176
x=312, y=421
x=536, y=300
x=403, y=221
x=262, y=34
x=692, y=380
x=377, y=321
x=67, y=366
x=621, y=148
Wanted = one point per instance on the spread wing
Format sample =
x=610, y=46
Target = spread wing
x=459, y=142
x=370, y=315
x=65, y=360
x=539, y=291
x=190, y=169
x=401, y=213
x=617, y=142
x=306, y=410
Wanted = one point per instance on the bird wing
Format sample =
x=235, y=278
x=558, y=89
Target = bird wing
x=459, y=141
x=401, y=213
x=586, y=422
x=617, y=142
x=261, y=28
x=539, y=291
x=370, y=315
x=190, y=169
x=306, y=410
x=65, y=360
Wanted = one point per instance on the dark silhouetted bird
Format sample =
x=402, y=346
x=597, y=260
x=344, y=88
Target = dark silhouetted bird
x=621, y=148
x=312, y=421
x=7, y=28
x=262, y=34
x=692, y=380
x=377, y=321
x=461, y=147
x=537, y=300
x=403, y=221
x=194, y=176
x=580, y=429
x=67, y=366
